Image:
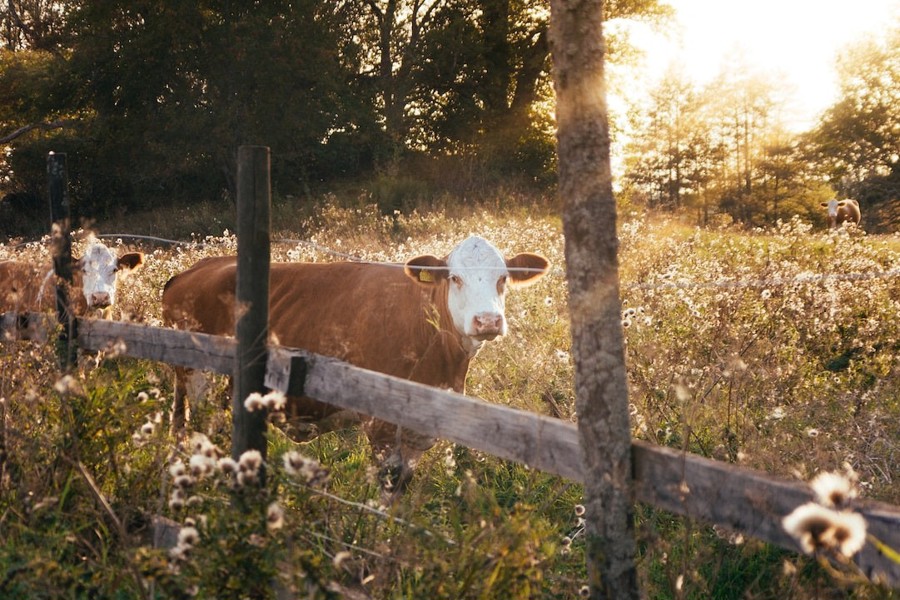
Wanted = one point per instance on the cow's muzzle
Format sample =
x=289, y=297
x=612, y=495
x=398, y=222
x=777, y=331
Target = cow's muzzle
x=487, y=326
x=100, y=300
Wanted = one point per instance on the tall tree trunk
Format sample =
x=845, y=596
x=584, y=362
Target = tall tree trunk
x=589, y=222
x=497, y=56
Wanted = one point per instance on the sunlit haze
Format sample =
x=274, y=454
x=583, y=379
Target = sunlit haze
x=795, y=41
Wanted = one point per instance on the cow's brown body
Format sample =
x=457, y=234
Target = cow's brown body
x=335, y=309
x=25, y=287
x=374, y=316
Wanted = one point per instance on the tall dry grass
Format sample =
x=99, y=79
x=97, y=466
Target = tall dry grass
x=749, y=347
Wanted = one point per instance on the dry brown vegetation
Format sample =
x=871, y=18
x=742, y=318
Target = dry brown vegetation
x=773, y=349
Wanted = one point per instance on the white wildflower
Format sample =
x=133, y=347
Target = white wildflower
x=67, y=385
x=227, y=465
x=274, y=400
x=183, y=481
x=201, y=465
x=177, y=468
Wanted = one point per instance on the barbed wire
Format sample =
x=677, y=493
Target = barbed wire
x=680, y=284
x=765, y=283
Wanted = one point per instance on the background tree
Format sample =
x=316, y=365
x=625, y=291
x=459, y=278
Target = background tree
x=163, y=93
x=30, y=24
x=720, y=149
x=151, y=98
x=665, y=154
x=469, y=77
x=857, y=142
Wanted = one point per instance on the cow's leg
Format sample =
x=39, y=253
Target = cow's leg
x=305, y=418
x=396, y=451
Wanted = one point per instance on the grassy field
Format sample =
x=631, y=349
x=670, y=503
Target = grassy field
x=748, y=347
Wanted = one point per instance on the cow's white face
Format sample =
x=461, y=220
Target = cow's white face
x=476, y=296
x=99, y=269
x=833, y=207
x=98, y=275
x=477, y=277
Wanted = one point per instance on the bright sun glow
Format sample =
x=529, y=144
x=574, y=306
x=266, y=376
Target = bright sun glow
x=794, y=41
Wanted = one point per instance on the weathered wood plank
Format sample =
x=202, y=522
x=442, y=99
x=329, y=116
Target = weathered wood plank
x=748, y=501
x=182, y=348
x=542, y=442
x=740, y=499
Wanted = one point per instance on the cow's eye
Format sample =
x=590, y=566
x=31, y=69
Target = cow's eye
x=501, y=284
x=455, y=279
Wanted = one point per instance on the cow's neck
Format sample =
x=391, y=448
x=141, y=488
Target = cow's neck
x=445, y=362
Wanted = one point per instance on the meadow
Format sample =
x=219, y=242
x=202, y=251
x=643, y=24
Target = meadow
x=775, y=349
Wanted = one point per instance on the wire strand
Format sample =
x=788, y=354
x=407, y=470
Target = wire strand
x=560, y=272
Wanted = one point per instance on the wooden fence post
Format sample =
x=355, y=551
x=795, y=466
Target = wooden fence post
x=589, y=224
x=61, y=249
x=252, y=296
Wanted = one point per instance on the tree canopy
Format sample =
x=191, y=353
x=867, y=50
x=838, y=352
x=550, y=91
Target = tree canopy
x=724, y=149
x=152, y=98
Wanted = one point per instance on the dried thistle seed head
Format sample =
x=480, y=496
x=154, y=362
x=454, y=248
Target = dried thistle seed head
x=817, y=528
x=833, y=489
x=274, y=517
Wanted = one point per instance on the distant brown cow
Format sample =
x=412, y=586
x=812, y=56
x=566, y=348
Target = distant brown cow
x=423, y=321
x=27, y=287
x=842, y=211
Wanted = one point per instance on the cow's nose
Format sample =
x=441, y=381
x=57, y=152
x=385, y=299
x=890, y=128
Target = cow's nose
x=100, y=299
x=487, y=324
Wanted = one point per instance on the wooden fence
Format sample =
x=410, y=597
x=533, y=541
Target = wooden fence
x=742, y=500
x=739, y=499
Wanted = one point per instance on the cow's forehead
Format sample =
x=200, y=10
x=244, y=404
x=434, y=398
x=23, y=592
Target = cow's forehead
x=476, y=253
x=98, y=256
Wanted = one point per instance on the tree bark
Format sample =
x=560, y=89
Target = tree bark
x=589, y=223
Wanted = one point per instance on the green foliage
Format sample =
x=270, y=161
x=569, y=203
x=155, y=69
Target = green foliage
x=151, y=99
x=857, y=140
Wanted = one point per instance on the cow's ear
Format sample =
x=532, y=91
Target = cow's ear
x=825, y=204
x=526, y=268
x=132, y=260
x=427, y=269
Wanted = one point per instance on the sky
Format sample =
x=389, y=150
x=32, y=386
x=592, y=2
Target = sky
x=796, y=41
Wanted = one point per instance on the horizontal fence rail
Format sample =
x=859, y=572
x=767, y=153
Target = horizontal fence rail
x=742, y=500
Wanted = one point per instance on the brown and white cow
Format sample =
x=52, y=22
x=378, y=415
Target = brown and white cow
x=423, y=322
x=842, y=211
x=27, y=287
